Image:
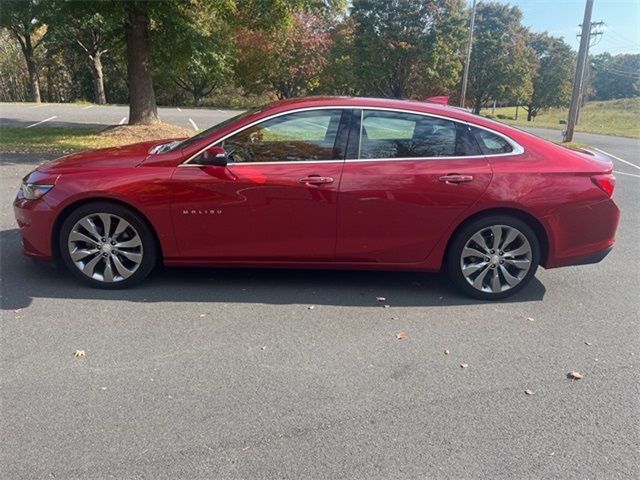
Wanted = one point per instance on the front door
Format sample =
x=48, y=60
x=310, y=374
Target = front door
x=410, y=178
x=275, y=200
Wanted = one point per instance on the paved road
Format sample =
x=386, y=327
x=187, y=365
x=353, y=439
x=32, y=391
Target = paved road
x=228, y=374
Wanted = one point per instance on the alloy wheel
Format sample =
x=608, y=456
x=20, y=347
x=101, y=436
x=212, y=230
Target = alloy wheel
x=496, y=258
x=105, y=247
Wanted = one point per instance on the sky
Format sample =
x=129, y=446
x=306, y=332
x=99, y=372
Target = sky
x=561, y=19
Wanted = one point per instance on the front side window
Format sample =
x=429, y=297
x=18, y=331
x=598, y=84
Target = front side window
x=387, y=134
x=294, y=137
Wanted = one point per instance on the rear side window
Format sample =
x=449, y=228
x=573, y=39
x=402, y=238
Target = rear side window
x=490, y=143
x=387, y=134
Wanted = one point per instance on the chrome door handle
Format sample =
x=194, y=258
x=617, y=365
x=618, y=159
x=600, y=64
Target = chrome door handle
x=316, y=180
x=456, y=178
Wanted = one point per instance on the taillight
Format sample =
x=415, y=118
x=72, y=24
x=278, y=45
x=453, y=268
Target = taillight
x=606, y=182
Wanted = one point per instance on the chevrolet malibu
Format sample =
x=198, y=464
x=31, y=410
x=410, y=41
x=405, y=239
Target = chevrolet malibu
x=345, y=183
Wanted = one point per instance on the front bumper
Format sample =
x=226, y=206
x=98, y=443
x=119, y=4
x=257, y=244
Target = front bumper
x=35, y=219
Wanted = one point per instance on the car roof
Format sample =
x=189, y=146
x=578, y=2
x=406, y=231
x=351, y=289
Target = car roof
x=338, y=101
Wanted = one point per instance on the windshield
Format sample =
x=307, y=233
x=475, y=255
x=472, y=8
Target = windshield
x=218, y=126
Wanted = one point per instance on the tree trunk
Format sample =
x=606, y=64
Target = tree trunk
x=197, y=96
x=99, y=96
x=529, y=114
x=34, y=82
x=477, y=105
x=142, y=100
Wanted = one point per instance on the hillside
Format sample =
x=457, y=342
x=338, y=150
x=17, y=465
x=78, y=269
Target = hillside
x=612, y=117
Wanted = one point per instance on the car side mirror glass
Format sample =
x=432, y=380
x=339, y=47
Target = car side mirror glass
x=214, y=156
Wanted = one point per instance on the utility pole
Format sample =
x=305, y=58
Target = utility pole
x=595, y=33
x=578, y=78
x=465, y=75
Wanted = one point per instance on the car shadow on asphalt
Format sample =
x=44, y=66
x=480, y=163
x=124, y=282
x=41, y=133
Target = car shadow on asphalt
x=23, y=279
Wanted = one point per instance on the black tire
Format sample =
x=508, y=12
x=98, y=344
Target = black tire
x=458, y=242
x=148, y=248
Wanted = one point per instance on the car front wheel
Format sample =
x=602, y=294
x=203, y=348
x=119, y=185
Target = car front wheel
x=493, y=257
x=107, y=246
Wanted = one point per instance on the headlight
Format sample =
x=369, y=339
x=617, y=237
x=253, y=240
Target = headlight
x=33, y=191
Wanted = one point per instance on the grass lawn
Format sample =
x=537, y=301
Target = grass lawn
x=52, y=139
x=613, y=117
x=74, y=139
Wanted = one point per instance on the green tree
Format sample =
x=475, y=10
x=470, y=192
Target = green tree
x=12, y=73
x=615, y=76
x=552, y=75
x=287, y=61
x=200, y=57
x=339, y=76
x=23, y=18
x=151, y=22
x=404, y=48
x=501, y=61
x=87, y=26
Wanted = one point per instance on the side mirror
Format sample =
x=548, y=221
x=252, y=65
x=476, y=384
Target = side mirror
x=212, y=157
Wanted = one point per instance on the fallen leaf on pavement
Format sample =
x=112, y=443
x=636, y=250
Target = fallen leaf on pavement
x=574, y=375
x=203, y=315
x=400, y=335
x=447, y=352
x=264, y=347
x=531, y=319
x=464, y=365
x=311, y=307
x=79, y=353
x=588, y=343
x=529, y=392
x=245, y=448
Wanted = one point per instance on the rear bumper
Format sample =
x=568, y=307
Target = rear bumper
x=583, y=235
x=593, y=258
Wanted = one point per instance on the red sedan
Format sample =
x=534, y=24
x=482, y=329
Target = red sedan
x=350, y=183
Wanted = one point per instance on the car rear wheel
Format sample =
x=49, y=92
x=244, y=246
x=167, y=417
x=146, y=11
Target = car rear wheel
x=107, y=246
x=493, y=257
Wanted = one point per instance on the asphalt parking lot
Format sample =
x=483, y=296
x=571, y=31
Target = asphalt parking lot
x=212, y=373
x=75, y=115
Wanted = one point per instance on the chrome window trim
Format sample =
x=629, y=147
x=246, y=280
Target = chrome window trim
x=517, y=148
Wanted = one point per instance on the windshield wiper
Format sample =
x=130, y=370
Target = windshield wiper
x=164, y=147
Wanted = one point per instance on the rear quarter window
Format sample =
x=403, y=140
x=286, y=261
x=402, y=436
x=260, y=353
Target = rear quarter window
x=490, y=143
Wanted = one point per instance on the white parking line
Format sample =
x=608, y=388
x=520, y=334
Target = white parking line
x=195, y=127
x=625, y=173
x=179, y=109
x=123, y=120
x=88, y=107
x=617, y=158
x=41, y=121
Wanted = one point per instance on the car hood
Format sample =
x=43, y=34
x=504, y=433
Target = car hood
x=127, y=156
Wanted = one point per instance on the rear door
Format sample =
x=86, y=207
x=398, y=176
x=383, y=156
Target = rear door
x=409, y=177
x=274, y=201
